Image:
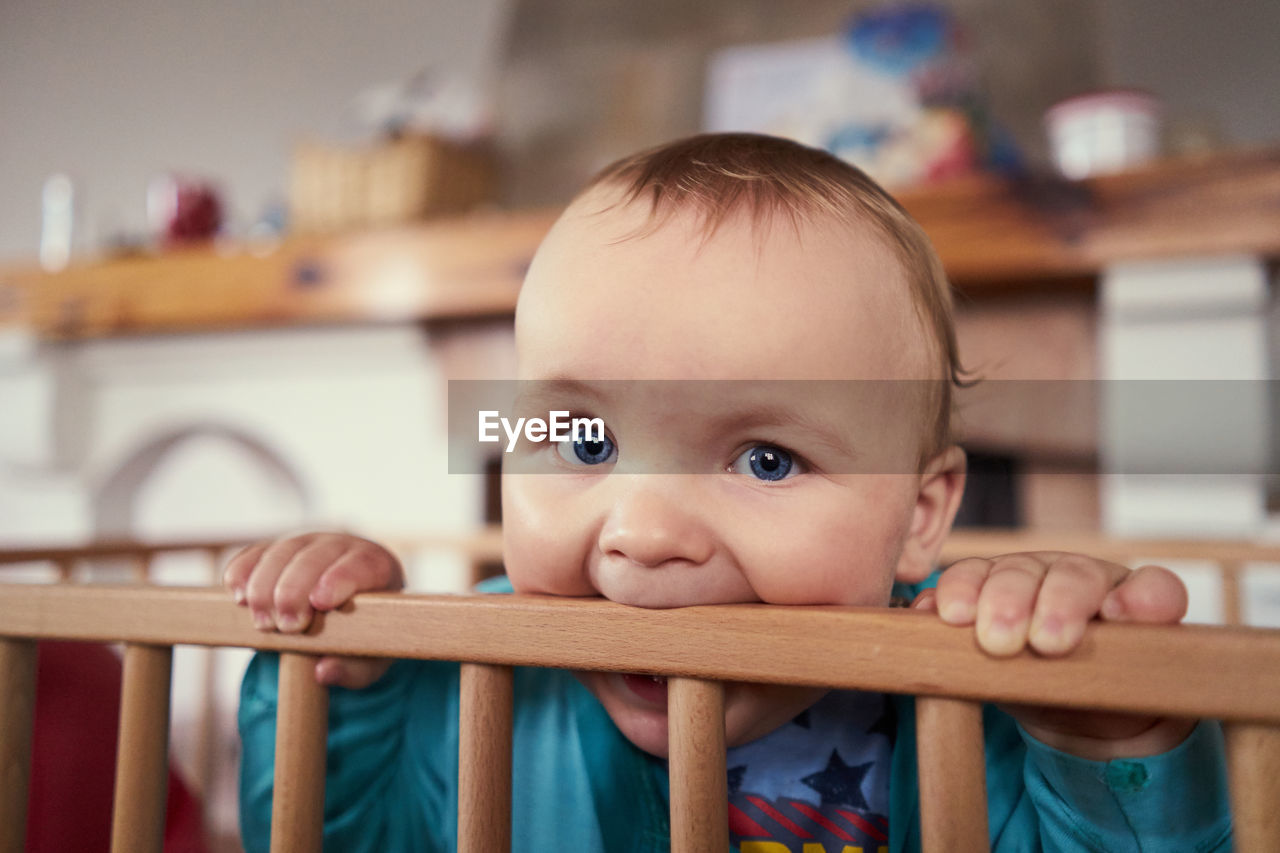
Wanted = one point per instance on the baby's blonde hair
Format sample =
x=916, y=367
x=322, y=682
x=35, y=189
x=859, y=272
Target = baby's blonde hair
x=720, y=174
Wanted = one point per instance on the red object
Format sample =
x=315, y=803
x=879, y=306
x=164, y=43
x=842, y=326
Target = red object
x=198, y=213
x=183, y=210
x=73, y=757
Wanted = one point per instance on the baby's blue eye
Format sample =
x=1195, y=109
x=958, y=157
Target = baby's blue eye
x=765, y=462
x=586, y=452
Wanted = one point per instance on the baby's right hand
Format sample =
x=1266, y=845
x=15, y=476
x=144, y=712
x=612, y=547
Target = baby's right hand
x=285, y=581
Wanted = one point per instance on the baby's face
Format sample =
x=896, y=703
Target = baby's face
x=714, y=492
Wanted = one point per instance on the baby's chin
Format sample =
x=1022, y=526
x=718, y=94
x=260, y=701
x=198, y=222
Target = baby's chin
x=637, y=705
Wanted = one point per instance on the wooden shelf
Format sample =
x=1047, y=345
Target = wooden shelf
x=458, y=268
x=992, y=233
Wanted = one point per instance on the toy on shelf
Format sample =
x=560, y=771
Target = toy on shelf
x=897, y=95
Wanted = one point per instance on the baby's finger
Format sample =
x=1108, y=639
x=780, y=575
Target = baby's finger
x=1070, y=594
x=350, y=672
x=236, y=575
x=1006, y=601
x=927, y=601
x=1149, y=594
x=958, y=590
x=260, y=590
x=363, y=567
x=291, y=603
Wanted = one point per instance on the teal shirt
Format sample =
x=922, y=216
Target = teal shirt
x=580, y=785
x=392, y=776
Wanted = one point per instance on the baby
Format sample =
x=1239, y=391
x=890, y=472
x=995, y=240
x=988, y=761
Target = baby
x=754, y=266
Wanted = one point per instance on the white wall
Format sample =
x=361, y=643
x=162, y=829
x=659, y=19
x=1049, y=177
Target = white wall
x=114, y=93
x=355, y=416
x=1209, y=60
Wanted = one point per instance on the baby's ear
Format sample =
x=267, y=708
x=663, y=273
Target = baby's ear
x=941, y=487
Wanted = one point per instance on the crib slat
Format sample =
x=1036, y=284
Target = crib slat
x=953, y=786
x=142, y=751
x=699, y=785
x=141, y=565
x=302, y=721
x=1253, y=767
x=1231, y=593
x=484, y=758
x=17, y=710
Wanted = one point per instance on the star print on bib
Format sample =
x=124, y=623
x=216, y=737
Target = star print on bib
x=819, y=784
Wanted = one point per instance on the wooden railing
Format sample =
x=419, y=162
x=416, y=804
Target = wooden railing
x=484, y=547
x=140, y=555
x=481, y=546
x=1196, y=671
x=1232, y=674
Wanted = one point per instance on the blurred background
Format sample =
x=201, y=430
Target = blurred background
x=115, y=96
x=244, y=247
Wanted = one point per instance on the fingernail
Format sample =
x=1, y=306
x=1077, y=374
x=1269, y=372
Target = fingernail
x=288, y=622
x=1052, y=636
x=1112, y=608
x=956, y=612
x=261, y=621
x=1046, y=630
x=239, y=595
x=1000, y=637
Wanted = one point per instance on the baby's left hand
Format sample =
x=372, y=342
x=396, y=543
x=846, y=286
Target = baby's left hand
x=1043, y=600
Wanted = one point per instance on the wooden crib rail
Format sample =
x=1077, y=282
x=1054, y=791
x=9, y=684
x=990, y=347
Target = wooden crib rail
x=987, y=542
x=108, y=548
x=1190, y=670
x=482, y=548
x=140, y=554
x=1196, y=671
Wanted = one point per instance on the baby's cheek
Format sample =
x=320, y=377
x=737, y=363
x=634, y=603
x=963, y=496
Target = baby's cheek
x=849, y=583
x=545, y=541
x=835, y=562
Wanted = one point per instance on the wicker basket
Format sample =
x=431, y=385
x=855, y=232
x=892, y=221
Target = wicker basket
x=413, y=177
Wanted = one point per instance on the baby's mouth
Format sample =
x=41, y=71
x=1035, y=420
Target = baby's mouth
x=650, y=688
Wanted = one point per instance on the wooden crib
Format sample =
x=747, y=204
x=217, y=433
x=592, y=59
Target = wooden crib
x=1229, y=673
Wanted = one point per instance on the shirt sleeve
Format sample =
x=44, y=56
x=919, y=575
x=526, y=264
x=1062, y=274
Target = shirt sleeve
x=1174, y=801
x=376, y=800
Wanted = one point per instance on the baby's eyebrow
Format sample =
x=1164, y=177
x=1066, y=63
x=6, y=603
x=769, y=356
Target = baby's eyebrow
x=556, y=389
x=767, y=415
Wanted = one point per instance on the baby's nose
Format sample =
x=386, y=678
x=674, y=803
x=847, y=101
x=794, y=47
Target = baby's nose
x=654, y=521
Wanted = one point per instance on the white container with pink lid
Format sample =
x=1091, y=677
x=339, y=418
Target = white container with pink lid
x=1100, y=132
